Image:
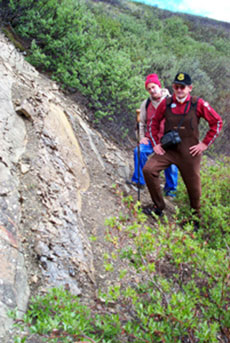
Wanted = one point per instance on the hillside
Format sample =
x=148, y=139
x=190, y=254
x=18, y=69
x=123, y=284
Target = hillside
x=101, y=52
x=197, y=20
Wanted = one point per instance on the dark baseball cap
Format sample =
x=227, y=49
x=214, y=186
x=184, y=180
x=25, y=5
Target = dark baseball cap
x=183, y=79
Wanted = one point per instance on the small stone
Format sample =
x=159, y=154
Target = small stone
x=24, y=168
x=34, y=279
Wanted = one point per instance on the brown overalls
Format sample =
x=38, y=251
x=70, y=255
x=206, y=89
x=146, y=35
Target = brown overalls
x=188, y=165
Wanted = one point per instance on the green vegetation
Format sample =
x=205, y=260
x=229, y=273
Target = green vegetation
x=105, y=50
x=180, y=289
x=215, y=201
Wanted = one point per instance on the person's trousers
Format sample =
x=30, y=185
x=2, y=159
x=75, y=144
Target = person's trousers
x=171, y=179
x=190, y=171
x=171, y=173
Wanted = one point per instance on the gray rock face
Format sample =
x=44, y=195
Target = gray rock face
x=41, y=175
x=14, y=290
x=56, y=175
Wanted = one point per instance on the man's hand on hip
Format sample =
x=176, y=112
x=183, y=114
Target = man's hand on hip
x=197, y=149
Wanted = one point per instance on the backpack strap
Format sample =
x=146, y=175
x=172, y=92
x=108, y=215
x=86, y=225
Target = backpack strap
x=147, y=103
x=169, y=100
x=194, y=100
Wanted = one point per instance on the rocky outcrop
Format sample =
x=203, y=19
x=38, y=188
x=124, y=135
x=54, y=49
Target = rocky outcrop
x=14, y=290
x=56, y=176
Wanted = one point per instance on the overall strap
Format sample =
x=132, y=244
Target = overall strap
x=184, y=114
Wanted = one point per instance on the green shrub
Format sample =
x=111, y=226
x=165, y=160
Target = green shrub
x=59, y=317
x=215, y=202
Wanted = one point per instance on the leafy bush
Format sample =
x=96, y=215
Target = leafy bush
x=59, y=317
x=215, y=202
